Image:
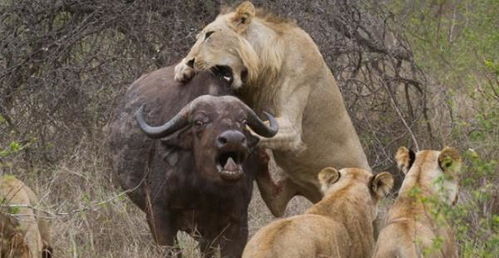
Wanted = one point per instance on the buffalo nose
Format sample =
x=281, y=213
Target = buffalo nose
x=230, y=138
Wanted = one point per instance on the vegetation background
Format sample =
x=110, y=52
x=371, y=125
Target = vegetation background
x=423, y=74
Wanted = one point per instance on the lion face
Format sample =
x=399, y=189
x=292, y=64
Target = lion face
x=221, y=47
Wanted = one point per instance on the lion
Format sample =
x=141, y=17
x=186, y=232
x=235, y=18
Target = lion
x=22, y=232
x=412, y=229
x=275, y=66
x=340, y=225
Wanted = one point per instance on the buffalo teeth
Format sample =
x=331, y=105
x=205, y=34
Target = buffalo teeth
x=230, y=165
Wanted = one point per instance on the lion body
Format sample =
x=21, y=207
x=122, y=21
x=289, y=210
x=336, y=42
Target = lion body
x=287, y=76
x=340, y=225
x=306, y=98
x=411, y=228
x=22, y=233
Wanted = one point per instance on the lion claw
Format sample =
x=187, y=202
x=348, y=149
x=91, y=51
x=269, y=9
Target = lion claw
x=183, y=72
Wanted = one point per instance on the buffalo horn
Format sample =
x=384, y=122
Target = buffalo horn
x=259, y=127
x=179, y=121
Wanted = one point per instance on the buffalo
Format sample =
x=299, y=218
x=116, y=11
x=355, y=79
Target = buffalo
x=194, y=171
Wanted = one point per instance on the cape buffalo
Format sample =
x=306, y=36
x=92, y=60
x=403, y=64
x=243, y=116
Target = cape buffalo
x=198, y=175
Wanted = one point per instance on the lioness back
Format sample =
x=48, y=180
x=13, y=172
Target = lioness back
x=306, y=235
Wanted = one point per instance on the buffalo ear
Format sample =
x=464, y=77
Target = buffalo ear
x=450, y=161
x=382, y=184
x=327, y=177
x=242, y=16
x=405, y=158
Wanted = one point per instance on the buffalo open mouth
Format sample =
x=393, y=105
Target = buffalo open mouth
x=229, y=165
x=224, y=72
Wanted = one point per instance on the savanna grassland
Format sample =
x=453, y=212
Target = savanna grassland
x=423, y=74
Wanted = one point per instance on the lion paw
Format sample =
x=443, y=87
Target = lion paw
x=183, y=72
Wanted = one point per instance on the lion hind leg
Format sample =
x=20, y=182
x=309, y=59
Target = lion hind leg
x=276, y=195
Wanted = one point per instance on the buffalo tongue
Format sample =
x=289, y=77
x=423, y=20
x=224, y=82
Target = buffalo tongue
x=230, y=165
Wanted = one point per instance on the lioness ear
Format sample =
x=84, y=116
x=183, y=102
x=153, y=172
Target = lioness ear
x=405, y=158
x=381, y=184
x=327, y=177
x=242, y=16
x=449, y=160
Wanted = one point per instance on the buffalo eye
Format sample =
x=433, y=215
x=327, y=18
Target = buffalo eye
x=199, y=123
x=208, y=34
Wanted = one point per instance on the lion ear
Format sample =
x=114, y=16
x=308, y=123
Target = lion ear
x=449, y=160
x=327, y=177
x=405, y=158
x=381, y=184
x=242, y=16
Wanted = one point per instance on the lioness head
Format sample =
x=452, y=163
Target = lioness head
x=221, y=46
x=437, y=170
x=377, y=186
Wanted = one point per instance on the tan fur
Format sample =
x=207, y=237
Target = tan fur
x=411, y=228
x=287, y=76
x=340, y=225
x=403, y=159
x=22, y=234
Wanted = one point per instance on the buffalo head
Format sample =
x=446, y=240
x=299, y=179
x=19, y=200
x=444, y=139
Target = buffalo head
x=215, y=130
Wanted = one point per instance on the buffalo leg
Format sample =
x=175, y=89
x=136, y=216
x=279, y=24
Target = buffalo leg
x=233, y=241
x=164, y=232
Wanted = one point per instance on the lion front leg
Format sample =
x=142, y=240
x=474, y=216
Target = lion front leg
x=184, y=70
x=287, y=139
x=289, y=114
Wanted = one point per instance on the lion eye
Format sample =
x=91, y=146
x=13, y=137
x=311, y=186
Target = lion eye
x=208, y=34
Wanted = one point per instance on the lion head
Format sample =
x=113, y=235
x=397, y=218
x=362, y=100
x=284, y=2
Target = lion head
x=222, y=47
x=361, y=182
x=437, y=171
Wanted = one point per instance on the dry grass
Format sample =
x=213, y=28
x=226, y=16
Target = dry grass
x=116, y=228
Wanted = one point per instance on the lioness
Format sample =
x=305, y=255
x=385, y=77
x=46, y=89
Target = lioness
x=340, y=225
x=275, y=66
x=22, y=234
x=412, y=230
